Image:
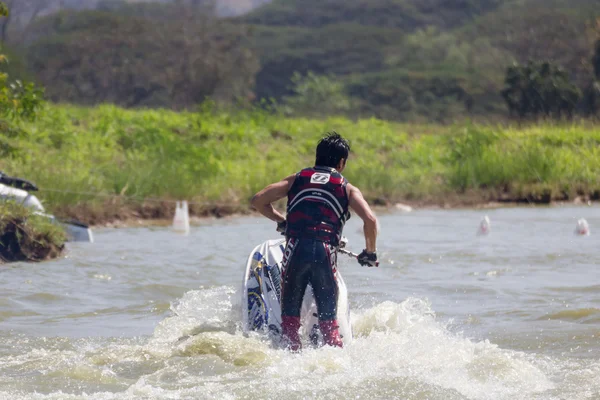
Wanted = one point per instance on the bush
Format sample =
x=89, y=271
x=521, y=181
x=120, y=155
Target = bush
x=18, y=100
x=25, y=236
x=596, y=60
x=539, y=88
x=94, y=57
x=316, y=95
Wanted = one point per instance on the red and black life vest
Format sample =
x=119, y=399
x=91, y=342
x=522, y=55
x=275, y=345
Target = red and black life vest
x=318, y=205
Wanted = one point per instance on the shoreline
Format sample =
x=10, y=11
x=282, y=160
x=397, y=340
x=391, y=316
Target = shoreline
x=127, y=167
x=162, y=216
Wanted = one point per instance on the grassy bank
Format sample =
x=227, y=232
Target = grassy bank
x=81, y=158
x=28, y=237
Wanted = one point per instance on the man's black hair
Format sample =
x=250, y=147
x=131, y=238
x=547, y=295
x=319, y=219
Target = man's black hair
x=331, y=149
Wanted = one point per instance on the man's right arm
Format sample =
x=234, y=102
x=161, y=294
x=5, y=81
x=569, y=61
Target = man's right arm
x=262, y=201
x=360, y=206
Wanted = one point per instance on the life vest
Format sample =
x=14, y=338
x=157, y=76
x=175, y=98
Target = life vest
x=318, y=205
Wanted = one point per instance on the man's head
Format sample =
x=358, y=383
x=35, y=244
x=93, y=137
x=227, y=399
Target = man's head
x=332, y=151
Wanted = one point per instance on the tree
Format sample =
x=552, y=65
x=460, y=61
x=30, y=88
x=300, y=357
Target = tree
x=591, y=97
x=17, y=99
x=23, y=13
x=596, y=60
x=316, y=95
x=92, y=57
x=539, y=88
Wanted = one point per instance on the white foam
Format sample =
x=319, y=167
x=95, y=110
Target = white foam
x=401, y=350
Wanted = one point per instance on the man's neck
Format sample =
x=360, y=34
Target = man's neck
x=325, y=168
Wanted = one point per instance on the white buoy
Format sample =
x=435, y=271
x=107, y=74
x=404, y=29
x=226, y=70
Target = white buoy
x=582, y=228
x=403, y=207
x=484, y=226
x=181, y=221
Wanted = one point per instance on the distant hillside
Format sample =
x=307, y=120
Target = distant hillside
x=237, y=7
x=394, y=59
x=434, y=58
x=22, y=9
x=404, y=14
x=224, y=8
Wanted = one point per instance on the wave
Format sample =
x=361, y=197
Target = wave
x=400, y=350
x=582, y=315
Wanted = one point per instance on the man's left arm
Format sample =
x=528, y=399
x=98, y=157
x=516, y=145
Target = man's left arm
x=262, y=201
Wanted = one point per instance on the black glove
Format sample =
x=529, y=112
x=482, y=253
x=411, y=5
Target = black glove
x=368, y=259
x=281, y=226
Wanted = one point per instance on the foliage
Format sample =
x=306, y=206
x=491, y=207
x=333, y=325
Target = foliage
x=591, y=99
x=22, y=14
x=433, y=60
x=405, y=14
x=591, y=96
x=465, y=47
x=25, y=236
x=403, y=94
x=338, y=50
x=539, y=88
x=561, y=161
x=316, y=95
x=540, y=30
x=18, y=100
x=131, y=61
x=596, y=60
x=211, y=157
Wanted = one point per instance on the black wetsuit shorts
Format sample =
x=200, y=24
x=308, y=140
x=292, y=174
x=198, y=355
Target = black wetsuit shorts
x=309, y=261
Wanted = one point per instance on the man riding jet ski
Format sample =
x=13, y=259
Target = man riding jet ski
x=319, y=200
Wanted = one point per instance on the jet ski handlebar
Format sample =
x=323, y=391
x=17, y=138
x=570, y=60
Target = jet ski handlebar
x=353, y=255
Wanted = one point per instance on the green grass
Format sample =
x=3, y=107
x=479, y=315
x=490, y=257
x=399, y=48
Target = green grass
x=222, y=158
x=561, y=160
x=25, y=236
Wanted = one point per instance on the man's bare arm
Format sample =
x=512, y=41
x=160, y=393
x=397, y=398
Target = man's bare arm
x=262, y=201
x=363, y=210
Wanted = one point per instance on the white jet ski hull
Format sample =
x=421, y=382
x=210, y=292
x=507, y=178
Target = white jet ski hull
x=78, y=232
x=261, y=310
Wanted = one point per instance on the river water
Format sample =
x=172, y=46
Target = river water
x=145, y=313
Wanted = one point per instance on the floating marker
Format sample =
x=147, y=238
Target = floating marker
x=181, y=221
x=484, y=226
x=582, y=228
x=403, y=207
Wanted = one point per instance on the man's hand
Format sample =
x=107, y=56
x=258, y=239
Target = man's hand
x=368, y=259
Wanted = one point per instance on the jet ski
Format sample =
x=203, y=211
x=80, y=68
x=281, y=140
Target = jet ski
x=17, y=190
x=261, y=295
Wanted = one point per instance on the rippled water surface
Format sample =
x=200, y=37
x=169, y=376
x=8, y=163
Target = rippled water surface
x=149, y=314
